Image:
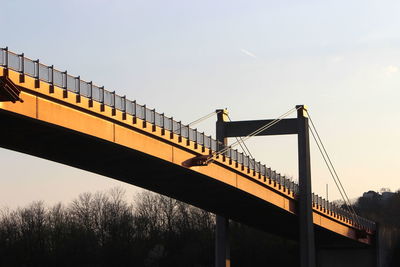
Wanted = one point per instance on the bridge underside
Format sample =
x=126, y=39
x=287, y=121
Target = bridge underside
x=103, y=157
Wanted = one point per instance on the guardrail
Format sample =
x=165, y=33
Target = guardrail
x=74, y=84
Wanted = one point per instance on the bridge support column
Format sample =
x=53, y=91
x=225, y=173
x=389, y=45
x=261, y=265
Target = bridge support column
x=297, y=126
x=306, y=230
x=222, y=247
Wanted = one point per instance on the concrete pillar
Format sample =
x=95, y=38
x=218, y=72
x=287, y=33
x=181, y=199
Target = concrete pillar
x=306, y=226
x=222, y=248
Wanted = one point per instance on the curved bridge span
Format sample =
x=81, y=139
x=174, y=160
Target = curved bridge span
x=61, y=118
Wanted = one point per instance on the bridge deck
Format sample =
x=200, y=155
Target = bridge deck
x=88, y=135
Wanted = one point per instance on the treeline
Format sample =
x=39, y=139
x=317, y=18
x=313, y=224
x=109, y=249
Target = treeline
x=384, y=208
x=103, y=229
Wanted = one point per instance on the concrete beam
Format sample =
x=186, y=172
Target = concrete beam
x=244, y=128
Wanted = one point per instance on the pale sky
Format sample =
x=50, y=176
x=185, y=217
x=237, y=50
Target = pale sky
x=258, y=59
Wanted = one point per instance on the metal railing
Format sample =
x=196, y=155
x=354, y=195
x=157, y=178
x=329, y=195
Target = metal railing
x=74, y=84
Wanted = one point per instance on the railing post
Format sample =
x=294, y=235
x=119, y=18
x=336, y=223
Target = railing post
x=102, y=98
x=50, y=73
x=195, y=138
x=180, y=132
x=36, y=73
x=134, y=120
x=171, y=135
x=5, y=50
x=264, y=167
x=203, y=149
x=113, y=99
x=123, y=104
x=78, y=84
x=65, y=84
x=162, y=124
x=144, y=116
x=222, y=247
x=113, y=110
x=90, y=96
x=21, y=68
x=306, y=226
x=153, y=118
x=78, y=89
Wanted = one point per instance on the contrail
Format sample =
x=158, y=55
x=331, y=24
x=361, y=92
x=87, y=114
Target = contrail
x=248, y=53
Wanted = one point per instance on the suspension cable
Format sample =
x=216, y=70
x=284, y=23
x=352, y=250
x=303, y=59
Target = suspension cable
x=242, y=143
x=332, y=170
x=203, y=118
x=333, y=176
x=198, y=120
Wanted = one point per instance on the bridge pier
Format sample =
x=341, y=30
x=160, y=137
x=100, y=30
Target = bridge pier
x=297, y=126
x=306, y=225
x=222, y=246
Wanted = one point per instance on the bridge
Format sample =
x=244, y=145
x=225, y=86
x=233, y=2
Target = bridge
x=53, y=115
